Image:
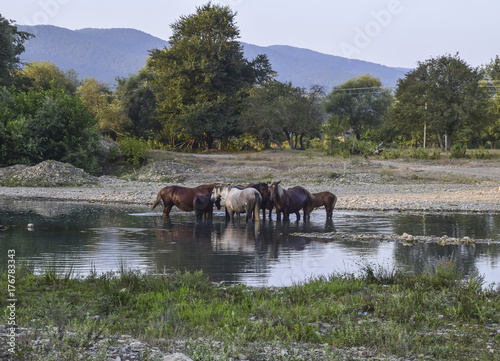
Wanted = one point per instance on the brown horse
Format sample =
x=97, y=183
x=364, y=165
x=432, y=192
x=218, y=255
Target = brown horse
x=326, y=199
x=182, y=197
x=204, y=206
x=263, y=189
x=291, y=200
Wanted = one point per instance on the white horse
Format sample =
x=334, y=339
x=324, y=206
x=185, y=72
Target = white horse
x=238, y=200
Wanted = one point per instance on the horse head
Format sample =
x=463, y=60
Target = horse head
x=274, y=189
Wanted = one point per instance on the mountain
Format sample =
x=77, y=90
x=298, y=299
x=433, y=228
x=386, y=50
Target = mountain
x=109, y=53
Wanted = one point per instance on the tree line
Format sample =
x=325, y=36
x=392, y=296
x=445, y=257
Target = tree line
x=202, y=93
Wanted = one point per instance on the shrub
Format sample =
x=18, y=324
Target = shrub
x=134, y=150
x=458, y=150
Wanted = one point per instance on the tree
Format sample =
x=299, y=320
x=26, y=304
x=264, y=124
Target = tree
x=442, y=95
x=107, y=109
x=138, y=102
x=201, y=79
x=358, y=104
x=491, y=81
x=37, y=126
x=11, y=46
x=277, y=107
x=46, y=75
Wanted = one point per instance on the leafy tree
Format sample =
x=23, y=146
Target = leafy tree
x=46, y=75
x=138, y=101
x=491, y=81
x=442, y=94
x=101, y=102
x=358, y=104
x=201, y=79
x=277, y=111
x=11, y=46
x=37, y=126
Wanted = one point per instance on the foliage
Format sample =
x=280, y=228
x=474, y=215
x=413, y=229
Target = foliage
x=443, y=95
x=357, y=105
x=11, y=46
x=108, y=110
x=201, y=79
x=458, y=150
x=134, y=150
x=139, y=104
x=277, y=111
x=491, y=81
x=45, y=75
x=37, y=126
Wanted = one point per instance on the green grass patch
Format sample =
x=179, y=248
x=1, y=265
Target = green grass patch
x=436, y=314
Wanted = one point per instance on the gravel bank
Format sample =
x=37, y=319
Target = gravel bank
x=376, y=185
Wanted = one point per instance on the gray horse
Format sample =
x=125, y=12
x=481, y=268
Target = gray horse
x=238, y=200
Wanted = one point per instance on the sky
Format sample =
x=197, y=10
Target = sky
x=396, y=33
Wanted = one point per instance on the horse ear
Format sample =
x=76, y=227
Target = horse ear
x=278, y=182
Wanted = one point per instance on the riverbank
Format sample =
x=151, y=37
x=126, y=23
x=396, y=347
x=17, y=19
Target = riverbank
x=404, y=185
x=381, y=314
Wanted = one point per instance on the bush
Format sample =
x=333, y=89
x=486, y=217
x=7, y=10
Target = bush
x=480, y=153
x=47, y=125
x=458, y=150
x=134, y=150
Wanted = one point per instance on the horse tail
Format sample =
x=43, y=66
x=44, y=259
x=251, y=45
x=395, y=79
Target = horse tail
x=158, y=200
x=334, y=201
x=310, y=202
x=258, y=202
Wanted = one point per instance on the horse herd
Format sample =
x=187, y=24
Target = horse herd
x=248, y=199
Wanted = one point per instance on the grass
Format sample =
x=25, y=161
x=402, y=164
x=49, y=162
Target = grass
x=433, y=315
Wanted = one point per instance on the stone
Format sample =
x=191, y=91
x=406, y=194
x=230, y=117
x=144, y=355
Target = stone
x=176, y=357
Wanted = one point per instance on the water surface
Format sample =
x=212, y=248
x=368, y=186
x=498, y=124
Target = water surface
x=89, y=237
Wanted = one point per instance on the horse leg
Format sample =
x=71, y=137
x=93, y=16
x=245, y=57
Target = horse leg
x=297, y=214
x=166, y=210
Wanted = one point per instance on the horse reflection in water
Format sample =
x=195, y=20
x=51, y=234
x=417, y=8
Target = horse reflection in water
x=238, y=200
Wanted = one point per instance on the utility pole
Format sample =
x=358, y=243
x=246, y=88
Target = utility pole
x=425, y=126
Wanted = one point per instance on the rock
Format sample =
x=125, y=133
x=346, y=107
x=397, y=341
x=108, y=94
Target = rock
x=176, y=357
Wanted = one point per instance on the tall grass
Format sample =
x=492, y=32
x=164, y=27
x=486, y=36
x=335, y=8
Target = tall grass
x=436, y=313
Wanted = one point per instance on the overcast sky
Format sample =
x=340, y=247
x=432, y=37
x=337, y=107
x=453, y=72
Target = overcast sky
x=389, y=32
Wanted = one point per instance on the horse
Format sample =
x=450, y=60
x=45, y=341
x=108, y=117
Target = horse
x=291, y=200
x=182, y=197
x=263, y=189
x=204, y=206
x=236, y=199
x=326, y=199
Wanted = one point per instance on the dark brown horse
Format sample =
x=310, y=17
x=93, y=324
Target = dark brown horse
x=204, y=206
x=263, y=189
x=326, y=199
x=291, y=200
x=182, y=197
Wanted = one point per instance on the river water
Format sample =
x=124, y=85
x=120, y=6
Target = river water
x=84, y=238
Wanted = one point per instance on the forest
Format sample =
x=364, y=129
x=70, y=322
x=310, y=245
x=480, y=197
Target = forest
x=201, y=94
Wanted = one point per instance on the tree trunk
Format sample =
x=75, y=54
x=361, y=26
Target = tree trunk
x=301, y=141
x=288, y=138
x=440, y=142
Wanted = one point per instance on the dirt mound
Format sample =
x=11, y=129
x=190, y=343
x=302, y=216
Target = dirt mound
x=46, y=174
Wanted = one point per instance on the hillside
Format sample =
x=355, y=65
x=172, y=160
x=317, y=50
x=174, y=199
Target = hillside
x=109, y=53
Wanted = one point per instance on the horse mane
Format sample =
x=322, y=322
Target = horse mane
x=280, y=191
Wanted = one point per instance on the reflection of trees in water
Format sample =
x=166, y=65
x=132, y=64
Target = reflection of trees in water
x=460, y=225
x=419, y=257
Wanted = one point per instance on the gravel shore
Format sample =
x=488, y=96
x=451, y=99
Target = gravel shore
x=375, y=185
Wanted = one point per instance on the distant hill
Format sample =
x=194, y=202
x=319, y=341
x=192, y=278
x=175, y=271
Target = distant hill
x=109, y=53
